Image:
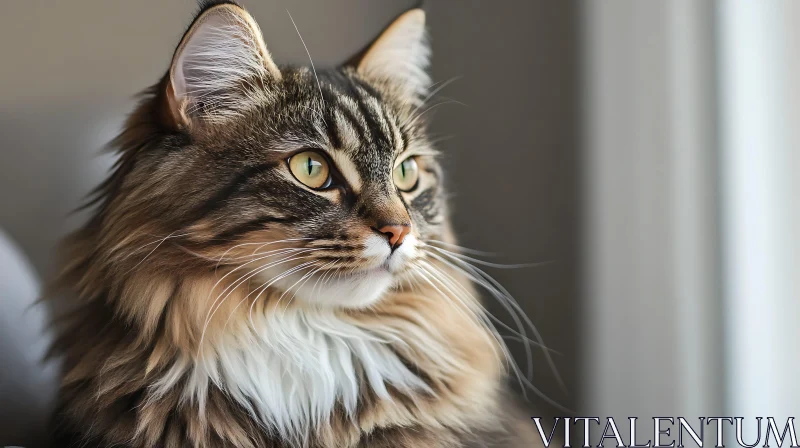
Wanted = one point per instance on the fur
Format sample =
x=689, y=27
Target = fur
x=216, y=301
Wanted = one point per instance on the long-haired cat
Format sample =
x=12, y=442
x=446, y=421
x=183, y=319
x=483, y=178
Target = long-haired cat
x=267, y=264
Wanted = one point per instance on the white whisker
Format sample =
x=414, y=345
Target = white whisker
x=516, y=334
x=409, y=123
x=213, y=288
x=517, y=321
x=319, y=86
x=151, y=252
x=493, y=265
x=287, y=273
x=497, y=290
x=213, y=309
x=260, y=245
x=471, y=316
x=462, y=249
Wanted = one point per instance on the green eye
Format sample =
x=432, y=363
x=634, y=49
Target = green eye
x=406, y=174
x=311, y=169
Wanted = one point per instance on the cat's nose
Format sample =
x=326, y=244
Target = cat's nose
x=396, y=233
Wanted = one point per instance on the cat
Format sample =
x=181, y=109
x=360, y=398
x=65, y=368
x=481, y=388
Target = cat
x=267, y=264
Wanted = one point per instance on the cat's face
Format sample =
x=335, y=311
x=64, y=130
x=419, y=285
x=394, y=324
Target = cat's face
x=323, y=184
x=350, y=178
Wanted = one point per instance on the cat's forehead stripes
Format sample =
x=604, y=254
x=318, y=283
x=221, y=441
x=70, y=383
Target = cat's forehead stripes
x=360, y=124
x=349, y=131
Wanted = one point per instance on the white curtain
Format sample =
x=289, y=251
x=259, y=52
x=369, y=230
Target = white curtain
x=759, y=63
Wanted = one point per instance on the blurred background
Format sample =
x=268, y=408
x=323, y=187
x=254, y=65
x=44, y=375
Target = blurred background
x=646, y=151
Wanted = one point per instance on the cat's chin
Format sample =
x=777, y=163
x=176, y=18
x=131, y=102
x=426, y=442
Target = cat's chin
x=356, y=289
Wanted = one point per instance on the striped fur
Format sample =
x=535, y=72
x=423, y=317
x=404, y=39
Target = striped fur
x=218, y=302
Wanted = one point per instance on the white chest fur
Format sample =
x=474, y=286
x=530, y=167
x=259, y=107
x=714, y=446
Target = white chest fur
x=290, y=368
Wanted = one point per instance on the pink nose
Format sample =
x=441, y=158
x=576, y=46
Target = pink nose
x=396, y=233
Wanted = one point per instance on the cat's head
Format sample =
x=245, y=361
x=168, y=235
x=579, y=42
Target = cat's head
x=321, y=183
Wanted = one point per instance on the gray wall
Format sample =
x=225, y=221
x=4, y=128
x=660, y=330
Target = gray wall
x=70, y=70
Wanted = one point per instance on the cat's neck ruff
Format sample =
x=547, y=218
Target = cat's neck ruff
x=292, y=366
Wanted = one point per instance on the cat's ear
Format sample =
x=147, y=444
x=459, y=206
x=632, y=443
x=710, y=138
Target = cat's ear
x=220, y=63
x=399, y=56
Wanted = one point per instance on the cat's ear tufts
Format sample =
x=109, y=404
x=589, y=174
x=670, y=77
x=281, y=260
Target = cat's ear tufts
x=399, y=56
x=219, y=65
